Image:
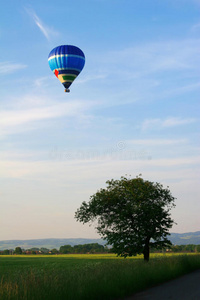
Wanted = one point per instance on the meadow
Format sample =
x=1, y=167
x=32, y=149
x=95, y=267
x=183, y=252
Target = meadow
x=87, y=277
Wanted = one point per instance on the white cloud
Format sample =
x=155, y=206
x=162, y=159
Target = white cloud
x=18, y=119
x=155, y=57
x=41, y=81
x=156, y=142
x=181, y=89
x=41, y=26
x=9, y=67
x=13, y=118
x=164, y=123
x=58, y=171
x=150, y=71
x=89, y=78
x=46, y=30
x=170, y=122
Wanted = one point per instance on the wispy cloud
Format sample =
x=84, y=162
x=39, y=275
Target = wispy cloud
x=89, y=78
x=45, y=29
x=164, y=68
x=155, y=57
x=9, y=67
x=87, y=168
x=156, y=142
x=170, y=122
x=17, y=120
x=14, y=118
x=196, y=27
x=41, y=81
x=164, y=123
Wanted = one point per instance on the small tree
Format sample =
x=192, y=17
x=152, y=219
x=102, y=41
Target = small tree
x=66, y=249
x=132, y=215
x=18, y=250
x=44, y=250
x=54, y=251
x=198, y=248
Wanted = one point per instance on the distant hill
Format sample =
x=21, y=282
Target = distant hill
x=175, y=238
x=185, y=238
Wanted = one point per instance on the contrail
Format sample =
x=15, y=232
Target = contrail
x=47, y=32
x=41, y=26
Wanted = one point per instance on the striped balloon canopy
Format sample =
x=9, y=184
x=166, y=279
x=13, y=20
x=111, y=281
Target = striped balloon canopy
x=66, y=61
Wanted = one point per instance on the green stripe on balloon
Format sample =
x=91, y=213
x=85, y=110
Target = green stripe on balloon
x=69, y=77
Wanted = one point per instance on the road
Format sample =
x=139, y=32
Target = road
x=186, y=287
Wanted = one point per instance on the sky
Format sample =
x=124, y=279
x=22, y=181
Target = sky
x=134, y=109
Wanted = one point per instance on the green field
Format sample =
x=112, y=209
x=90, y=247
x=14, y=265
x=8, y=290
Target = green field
x=87, y=276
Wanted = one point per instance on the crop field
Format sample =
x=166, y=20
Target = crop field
x=87, y=277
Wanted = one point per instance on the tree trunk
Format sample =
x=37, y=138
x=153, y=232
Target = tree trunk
x=146, y=249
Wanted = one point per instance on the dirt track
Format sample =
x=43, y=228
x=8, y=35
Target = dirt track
x=186, y=287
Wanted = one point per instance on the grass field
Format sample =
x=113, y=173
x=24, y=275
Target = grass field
x=87, y=277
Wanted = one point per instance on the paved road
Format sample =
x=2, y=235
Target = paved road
x=186, y=287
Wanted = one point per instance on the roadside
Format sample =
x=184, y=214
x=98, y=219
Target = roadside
x=186, y=287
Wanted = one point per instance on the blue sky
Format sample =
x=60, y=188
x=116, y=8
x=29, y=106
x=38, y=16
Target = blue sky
x=134, y=109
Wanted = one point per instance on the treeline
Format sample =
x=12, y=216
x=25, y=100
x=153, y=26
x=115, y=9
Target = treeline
x=66, y=249
x=94, y=248
x=185, y=248
x=180, y=248
x=86, y=248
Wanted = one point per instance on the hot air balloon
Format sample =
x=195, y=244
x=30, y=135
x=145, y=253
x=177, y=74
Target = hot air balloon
x=66, y=61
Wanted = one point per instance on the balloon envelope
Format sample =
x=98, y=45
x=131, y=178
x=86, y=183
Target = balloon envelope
x=66, y=61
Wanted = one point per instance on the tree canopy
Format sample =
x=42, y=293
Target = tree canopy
x=85, y=248
x=18, y=250
x=132, y=215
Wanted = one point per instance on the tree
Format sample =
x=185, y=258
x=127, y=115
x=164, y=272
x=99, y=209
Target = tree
x=198, y=248
x=66, y=249
x=18, y=250
x=34, y=249
x=54, y=251
x=44, y=250
x=132, y=215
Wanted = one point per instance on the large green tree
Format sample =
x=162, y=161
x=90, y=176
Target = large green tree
x=131, y=214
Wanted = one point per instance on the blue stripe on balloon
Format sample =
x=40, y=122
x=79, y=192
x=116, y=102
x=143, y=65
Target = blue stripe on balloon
x=66, y=49
x=75, y=62
x=68, y=71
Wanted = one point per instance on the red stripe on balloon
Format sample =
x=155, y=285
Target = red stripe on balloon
x=56, y=72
